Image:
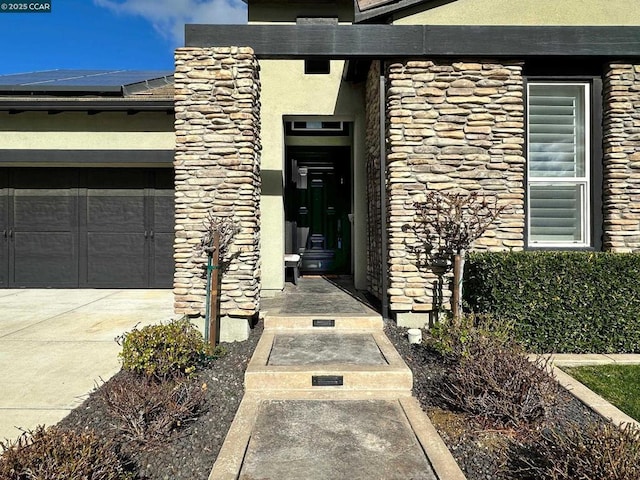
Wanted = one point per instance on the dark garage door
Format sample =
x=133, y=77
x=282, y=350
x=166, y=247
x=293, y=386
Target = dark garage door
x=92, y=227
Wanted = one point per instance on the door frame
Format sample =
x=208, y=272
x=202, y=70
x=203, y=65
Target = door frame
x=324, y=133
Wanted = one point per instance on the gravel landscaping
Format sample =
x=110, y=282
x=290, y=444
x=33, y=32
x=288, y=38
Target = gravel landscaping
x=481, y=453
x=189, y=453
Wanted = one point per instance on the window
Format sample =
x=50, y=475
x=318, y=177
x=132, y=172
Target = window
x=558, y=165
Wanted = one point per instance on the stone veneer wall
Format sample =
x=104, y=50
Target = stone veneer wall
x=374, y=231
x=217, y=168
x=459, y=127
x=621, y=169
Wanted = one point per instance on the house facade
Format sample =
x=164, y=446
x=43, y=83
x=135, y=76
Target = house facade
x=86, y=179
x=315, y=128
x=318, y=125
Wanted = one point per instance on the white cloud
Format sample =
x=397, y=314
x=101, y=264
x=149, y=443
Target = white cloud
x=168, y=17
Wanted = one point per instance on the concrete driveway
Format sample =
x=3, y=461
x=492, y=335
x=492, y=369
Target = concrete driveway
x=56, y=344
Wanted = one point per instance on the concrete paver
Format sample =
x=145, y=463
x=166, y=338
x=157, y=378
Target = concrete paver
x=318, y=296
x=322, y=348
x=328, y=402
x=56, y=344
x=328, y=439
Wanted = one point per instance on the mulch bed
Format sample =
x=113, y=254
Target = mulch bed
x=191, y=452
x=188, y=454
x=480, y=453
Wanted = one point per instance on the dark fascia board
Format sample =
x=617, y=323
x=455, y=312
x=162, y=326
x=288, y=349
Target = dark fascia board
x=31, y=104
x=388, y=41
x=85, y=157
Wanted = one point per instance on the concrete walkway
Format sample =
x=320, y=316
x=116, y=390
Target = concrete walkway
x=327, y=396
x=56, y=344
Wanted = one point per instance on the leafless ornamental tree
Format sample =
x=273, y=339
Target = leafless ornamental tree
x=215, y=243
x=445, y=226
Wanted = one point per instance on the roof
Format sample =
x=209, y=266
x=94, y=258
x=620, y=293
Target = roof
x=375, y=10
x=105, y=82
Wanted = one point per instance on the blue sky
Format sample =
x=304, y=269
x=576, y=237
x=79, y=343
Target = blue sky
x=105, y=34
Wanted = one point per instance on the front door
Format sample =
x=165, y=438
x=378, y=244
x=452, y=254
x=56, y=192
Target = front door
x=318, y=199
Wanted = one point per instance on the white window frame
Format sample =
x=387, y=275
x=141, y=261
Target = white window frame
x=584, y=182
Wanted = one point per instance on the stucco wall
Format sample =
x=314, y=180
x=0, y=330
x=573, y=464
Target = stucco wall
x=524, y=12
x=80, y=131
x=288, y=93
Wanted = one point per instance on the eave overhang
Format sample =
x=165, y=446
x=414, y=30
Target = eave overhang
x=30, y=104
x=393, y=41
x=380, y=11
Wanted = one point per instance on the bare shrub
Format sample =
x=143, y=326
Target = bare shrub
x=59, y=454
x=497, y=384
x=225, y=227
x=448, y=223
x=458, y=336
x=148, y=411
x=598, y=451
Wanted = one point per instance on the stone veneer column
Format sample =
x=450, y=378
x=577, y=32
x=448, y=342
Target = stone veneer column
x=217, y=168
x=454, y=127
x=621, y=135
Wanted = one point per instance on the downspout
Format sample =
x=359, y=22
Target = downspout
x=383, y=192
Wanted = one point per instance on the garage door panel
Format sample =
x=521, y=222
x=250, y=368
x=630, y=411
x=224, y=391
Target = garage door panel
x=43, y=249
x=164, y=201
x=51, y=178
x=115, y=211
x=45, y=259
x=163, y=211
x=116, y=260
x=117, y=178
x=46, y=211
x=95, y=227
x=162, y=260
x=162, y=265
x=4, y=229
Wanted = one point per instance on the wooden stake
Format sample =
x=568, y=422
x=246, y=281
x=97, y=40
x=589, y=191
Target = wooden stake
x=215, y=284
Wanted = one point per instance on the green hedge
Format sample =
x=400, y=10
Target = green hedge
x=562, y=302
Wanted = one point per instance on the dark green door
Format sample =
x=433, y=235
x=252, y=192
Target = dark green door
x=318, y=198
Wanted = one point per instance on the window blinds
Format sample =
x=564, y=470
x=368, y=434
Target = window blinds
x=557, y=163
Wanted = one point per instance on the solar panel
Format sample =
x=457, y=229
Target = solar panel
x=84, y=79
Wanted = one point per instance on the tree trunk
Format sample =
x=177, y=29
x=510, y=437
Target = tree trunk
x=458, y=274
x=215, y=284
